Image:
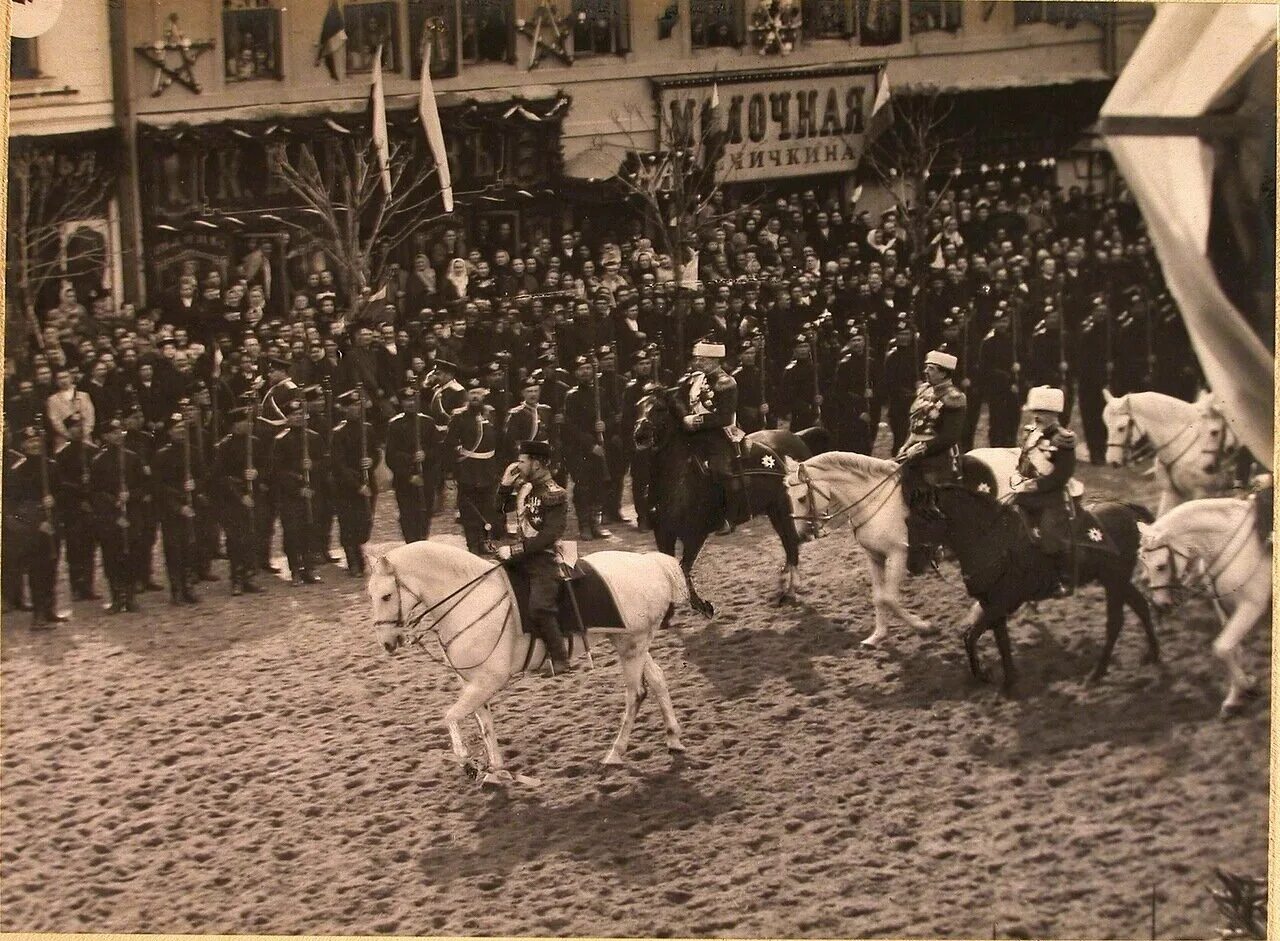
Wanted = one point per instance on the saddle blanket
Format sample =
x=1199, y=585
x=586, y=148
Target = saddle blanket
x=1089, y=534
x=594, y=598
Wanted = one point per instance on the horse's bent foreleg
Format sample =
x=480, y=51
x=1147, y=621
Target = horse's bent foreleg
x=658, y=683
x=484, y=719
x=785, y=527
x=877, y=601
x=690, y=546
x=631, y=663
x=895, y=570
x=1226, y=648
x=474, y=695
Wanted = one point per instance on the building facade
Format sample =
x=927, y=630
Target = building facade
x=65, y=155
x=541, y=103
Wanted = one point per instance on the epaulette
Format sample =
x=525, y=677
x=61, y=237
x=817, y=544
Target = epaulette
x=397, y=417
x=62, y=447
x=555, y=495
x=1064, y=438
x=281, y=434
x=340, y=425
x=790, y=365
x=953, y=399
x=725, y=382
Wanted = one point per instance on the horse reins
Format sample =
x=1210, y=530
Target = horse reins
x=1178, y=584
x=434, y=627
x=1130, y=444
x=816, y=523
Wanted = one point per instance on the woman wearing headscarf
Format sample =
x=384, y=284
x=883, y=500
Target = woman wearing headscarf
x=455, y=281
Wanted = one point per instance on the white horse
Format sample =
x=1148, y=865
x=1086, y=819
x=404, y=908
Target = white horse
x=426, y=588
x=1191, y=442
x=866, y=493
x=1213, y=545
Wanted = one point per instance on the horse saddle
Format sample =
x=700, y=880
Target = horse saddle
x=1054, y=531
x=594, y=600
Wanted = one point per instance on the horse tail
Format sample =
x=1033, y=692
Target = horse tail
x=675, y=576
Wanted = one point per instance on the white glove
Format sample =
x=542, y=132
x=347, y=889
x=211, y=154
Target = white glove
x=504, y=553
x=511, y=476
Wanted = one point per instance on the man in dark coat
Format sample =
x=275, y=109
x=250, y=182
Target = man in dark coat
x=1044, y=496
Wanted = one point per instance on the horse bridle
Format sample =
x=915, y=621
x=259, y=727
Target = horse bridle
x=817, y=522
x=434, y=626
x=1131, y=441
x=1180, y=586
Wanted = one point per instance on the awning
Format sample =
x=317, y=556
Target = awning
x=598, y=162
x=1190, y=57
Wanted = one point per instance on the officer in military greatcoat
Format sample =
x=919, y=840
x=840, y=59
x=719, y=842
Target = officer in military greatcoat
x=1044, y=495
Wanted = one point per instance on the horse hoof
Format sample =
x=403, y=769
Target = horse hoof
x=1231, y=711
x=611, y=759
x=675, y=746
x=871, y=643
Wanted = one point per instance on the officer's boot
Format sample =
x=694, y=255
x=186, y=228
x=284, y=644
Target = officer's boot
x=130, y=602
x=596, y=529
x=557, y=651
x=188, y=595
x=237, y=580
x=247, y=584
x=116, y=604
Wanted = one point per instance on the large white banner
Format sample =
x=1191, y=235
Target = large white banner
x=792, y=122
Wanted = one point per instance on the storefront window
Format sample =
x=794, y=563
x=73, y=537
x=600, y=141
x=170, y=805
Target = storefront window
x=715, y=23
x=438, y=20
x=487, y=35
x=600, y=27
x=828, y=19
x=880, y=22
x=370, y=25
x=251, y=40
x=22, y=59
x=930, y=15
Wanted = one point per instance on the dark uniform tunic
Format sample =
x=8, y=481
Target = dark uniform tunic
x=616, y=453
x=541, y=509
x=177, y=528
x=997, y=383
x=29, y=551
x=525, y=423
x=750, y=397
x=227, y=490
x=937, y=422
x=797, y=394
x=846, y=408
x=901, y=373
x=416, y=503
x=473, y=440
x=76, y=514
x=354, y=509
x=121, y=529
x=587, y=469
x=287, y=480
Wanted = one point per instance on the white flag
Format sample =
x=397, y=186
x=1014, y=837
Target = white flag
x=435, y=133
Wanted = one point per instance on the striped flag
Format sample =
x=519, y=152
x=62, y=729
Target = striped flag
x=430, y=116
x=378, y=121
x=333, y=36
x=882, y=110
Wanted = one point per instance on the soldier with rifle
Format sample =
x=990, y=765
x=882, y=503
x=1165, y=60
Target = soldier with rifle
x=753, y=409
x=142, y=533
x=321, y=418
x=30, y=536
x=473, y=439
x=413, y=455
x=615, y=449
x=355, y=454
x=295, y=462
x=584, y=449
x=640, y=386
x=174, y=489
x=118, y=484
x=74, y=509
x=236, y=488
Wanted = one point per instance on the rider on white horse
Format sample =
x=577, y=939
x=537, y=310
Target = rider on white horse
x=1044, y=496
x=929, y=455
x=541, y=508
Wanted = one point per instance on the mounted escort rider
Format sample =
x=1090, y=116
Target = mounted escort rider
x=708, y=400
x=541, y=508
x=930, y=455
x=1048, y=497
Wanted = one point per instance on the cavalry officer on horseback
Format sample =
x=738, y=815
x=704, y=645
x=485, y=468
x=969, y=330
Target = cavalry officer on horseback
x=1044, y=496
x=541, y=508
x=929, y=455
x=708, y=400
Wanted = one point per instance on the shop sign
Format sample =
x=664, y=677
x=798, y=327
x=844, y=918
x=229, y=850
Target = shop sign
x=794, y=123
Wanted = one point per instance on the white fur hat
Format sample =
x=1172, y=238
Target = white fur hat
x=708, y=349
x=1045, y=399
x=939, y=358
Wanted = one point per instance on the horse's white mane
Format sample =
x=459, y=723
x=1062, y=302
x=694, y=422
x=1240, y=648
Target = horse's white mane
x=438, y=560
x=863, y=465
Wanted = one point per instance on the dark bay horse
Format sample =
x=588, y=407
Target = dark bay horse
x=688, y=505
x=1003, y=569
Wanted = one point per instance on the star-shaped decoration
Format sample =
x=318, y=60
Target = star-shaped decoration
x=768, y=460
x=548, y=32
x=984, y=488
x=1095, y=534
x=157, y=53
